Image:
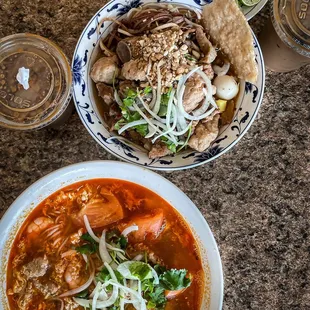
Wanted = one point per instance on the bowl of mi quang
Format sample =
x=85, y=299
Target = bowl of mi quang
x=168, y=86
x=107, y=235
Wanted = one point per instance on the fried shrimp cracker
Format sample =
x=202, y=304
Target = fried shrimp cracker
x=230, y=30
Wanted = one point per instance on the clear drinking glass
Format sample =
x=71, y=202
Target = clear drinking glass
x=285, y=40
x=46, y=101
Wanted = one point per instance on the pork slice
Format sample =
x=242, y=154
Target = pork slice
x=159, y=149
x=106, y=93
x=36, y=268
x=135, y=70
x=47, y=289
x=206, y=46
x=193, y=93
x=205, y=134
x=105, y=70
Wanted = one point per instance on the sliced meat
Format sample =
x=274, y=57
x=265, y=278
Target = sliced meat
x=47, y=289
x=159, y=149
x=105, y=92
x=36, y=268
x=206, y=46
x=101, y=210
x=205, y=134
x=136, y=249
x=124, y=86
x=208, y=70
x=104, y=70
x=150, y=226
x=193, y=93
x=174, y=294
x=135, y=70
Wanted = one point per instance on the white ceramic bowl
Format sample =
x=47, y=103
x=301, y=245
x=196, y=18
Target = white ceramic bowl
x=250, y=98
x=54, y=181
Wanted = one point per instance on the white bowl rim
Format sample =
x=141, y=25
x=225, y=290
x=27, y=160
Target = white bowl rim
x=59, y=173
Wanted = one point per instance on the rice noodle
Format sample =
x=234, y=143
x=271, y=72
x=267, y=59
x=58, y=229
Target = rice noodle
x=105, y=49
x=169, y=25
x=68, y=253
x=129, y=229
x=62, y=245
x=124, y=32
x=89, y=229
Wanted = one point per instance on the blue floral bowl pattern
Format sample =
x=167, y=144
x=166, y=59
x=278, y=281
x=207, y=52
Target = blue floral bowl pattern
x=248, y=104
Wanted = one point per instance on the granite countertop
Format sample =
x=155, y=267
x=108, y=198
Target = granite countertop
x=255, y=197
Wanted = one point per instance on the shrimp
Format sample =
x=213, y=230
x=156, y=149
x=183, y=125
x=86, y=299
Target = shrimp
x=75, y=272
x=38, y=225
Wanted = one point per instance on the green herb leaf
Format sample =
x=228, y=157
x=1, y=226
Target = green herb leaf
x=141, y=270
x=160, y=269
x=158, y=297
x=123, y=242
x=103, y=276
x=142, y=129
x=171, y=146
x=131, y=93
x=174, y=280
x=87, y=237
x=82, y=294
x=147, y=90
x=128, y=102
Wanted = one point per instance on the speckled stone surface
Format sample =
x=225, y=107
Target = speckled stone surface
x=255, y=198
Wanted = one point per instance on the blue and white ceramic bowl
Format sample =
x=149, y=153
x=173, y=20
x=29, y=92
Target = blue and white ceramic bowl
x=250, y=98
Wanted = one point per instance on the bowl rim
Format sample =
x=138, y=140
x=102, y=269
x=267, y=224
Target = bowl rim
x=78, y=168
x=167, y=168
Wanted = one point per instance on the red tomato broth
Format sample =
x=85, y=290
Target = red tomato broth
x=175, y=245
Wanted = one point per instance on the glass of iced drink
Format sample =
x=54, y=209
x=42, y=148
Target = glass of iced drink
x=285, y=40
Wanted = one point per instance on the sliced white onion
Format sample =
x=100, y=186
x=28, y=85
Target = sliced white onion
x=153, y=101
x=104, y=254
x=132, y=292
x=188, y=116
x=155, y=276
x=149, y=110
x=89, y=229
x=151, y=133
x=82, y=302
x=84, y=286
x=121, y=256
x=207, y=81
x=112, y=248
x=96, y=295
x=109, y=302
x=169, y=108
x=132, y=124
x=117, y=98
x=129, y=229
x=139, y=257
x=111, y=271
x=170, y=130
x=221, y=70
x=158, y=97
x=152, y=123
